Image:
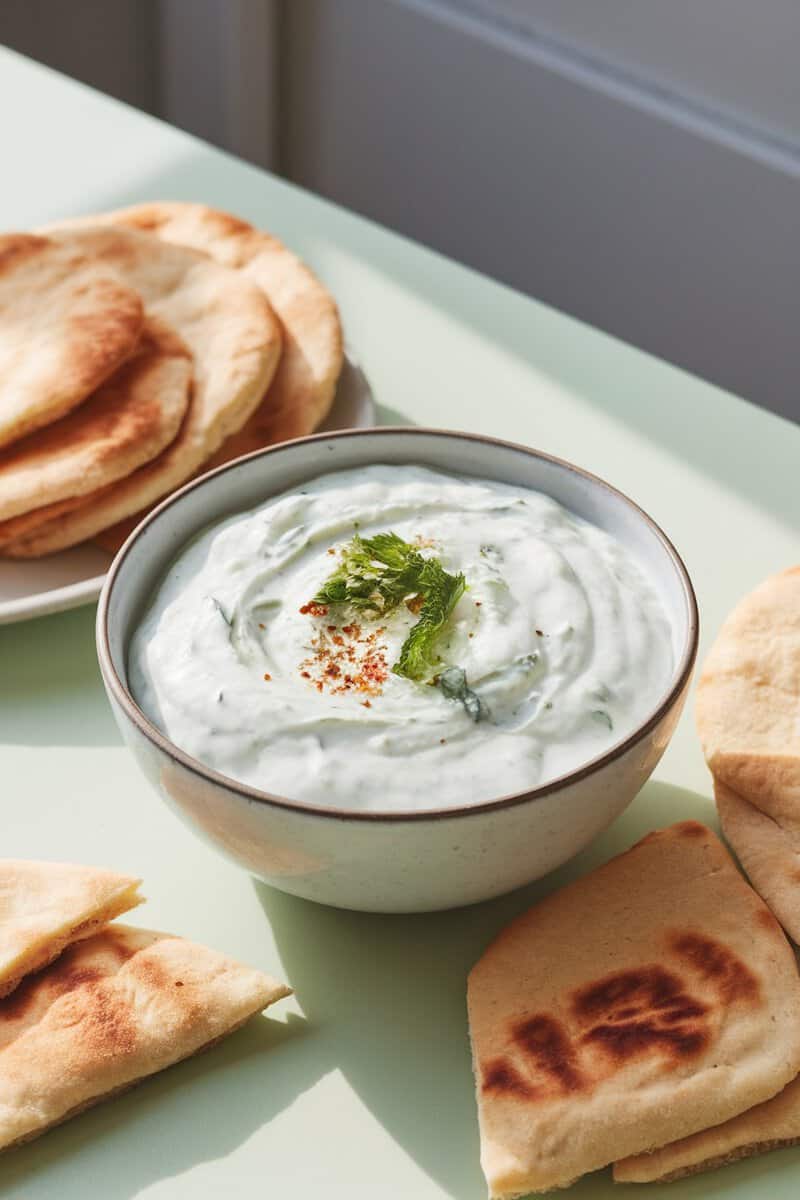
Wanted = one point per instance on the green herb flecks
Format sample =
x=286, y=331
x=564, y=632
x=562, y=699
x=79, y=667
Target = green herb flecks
x=602, y=718
x=218, y=607
x=441, y=592
x=374, y=576
x=378, y=574
x=453, y=685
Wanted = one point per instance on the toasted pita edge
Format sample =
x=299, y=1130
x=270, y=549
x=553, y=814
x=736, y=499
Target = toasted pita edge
x=770, y=782
x=222, y=400
x=125, y=897
x=638, y=1173
x=94, y=323
x=302, y=391
x=741, y=712
x=768, y=1126
x=124, y=423
x=768, y=853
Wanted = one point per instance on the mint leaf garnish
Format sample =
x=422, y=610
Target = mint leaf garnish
x=378, y=574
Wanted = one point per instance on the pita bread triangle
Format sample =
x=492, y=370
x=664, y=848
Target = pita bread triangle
x=748, y=719
x=748, y=699
x=112, y=1010
x=603, y=1020
x=768, y=851
x=769, y=1126
x=45, y=906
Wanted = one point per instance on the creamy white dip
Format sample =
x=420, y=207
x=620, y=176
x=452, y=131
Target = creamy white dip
x=560, y=635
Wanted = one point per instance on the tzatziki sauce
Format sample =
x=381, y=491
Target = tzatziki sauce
x=556, y=647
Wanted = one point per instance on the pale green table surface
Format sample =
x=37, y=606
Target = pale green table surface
x=360, y=1087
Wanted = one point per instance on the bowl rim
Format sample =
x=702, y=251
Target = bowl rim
x=134, y=713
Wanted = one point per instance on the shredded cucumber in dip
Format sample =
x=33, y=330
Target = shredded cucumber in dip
x=397, y=638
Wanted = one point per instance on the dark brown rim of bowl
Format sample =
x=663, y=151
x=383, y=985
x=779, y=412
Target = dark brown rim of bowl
x=135, y=714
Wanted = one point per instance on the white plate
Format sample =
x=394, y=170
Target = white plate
x=35, y=587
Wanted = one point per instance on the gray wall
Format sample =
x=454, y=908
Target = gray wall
x=634, y=164
x=608, y=202
x=736, y=56
x=112, y=44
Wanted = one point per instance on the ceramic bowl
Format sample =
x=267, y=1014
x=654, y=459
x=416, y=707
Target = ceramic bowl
x=408, y=861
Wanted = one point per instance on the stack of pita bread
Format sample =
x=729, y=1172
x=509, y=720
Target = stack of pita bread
x=665, y=1036
x=138, y=348
x=89, y=1008
x=748, y=719
x=643, y=1004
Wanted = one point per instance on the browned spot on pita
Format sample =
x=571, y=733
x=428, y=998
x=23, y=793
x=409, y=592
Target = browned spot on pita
x=636, y=1012
x=501, y=1077
x=17, y=1004
x=641, y=986
x=683, y=829
x=768, y=922
x=117, y=944
x=60, y=978
x=16, y=249
x=235, y=338
x=106, y=1026
x=152, y=972
x=549, y=1049
x=66, y=326
x=634, y=1038
x=717, y=963
x=98, y=335
x=691, y=829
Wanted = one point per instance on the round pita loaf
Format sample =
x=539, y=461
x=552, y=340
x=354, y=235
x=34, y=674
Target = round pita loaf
x=17, y=529
x=648, y=1000
x=130, y=419
x=748, y=698
x=302, y=391
x=66, y=322
x=235, y=342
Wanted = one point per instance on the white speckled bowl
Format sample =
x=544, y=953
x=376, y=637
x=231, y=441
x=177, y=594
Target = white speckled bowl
x=398, y=862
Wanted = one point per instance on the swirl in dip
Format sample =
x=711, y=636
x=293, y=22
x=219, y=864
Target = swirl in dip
x=557, y=648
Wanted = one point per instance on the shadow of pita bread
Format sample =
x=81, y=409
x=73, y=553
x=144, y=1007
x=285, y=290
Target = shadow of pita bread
x=197, y=1111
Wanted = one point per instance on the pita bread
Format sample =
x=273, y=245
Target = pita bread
x=632, y=1008
x=114, y=1009
x=302, y=391
x=17, y=529
x=768, y=1126
x=45, y=906
x=748, y=699
x=66, y=323
x=130, y=419
x=234, y=339
x=768, y=851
